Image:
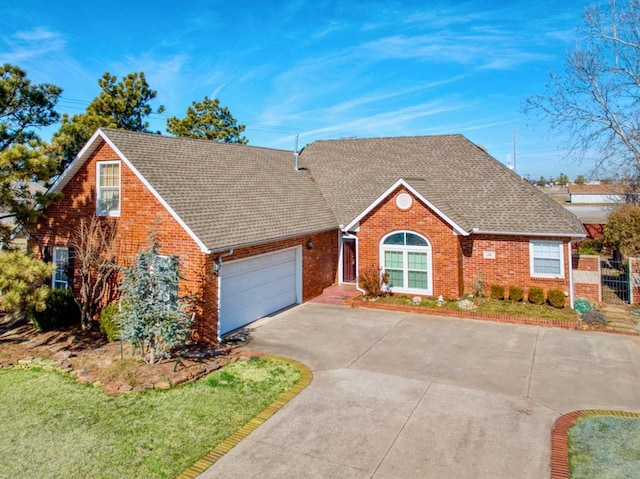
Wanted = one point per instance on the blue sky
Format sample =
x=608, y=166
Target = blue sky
x=321, y=69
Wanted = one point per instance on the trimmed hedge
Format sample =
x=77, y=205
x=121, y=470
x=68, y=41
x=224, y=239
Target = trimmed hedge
x=497, y=291
x=536, y=295
x=516, y=294
x=556, y=298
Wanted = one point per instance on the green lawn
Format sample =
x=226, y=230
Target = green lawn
x=487, y=305
x=52, y=426
x=604, y=447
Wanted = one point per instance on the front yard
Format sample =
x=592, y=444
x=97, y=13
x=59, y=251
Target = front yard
x=54, y=427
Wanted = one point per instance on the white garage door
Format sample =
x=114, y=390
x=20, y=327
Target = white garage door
x=256, y=287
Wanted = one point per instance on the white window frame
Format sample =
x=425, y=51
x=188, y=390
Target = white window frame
x=62, y=281
x=99, y=188
x=405, y=249
x=533, y=255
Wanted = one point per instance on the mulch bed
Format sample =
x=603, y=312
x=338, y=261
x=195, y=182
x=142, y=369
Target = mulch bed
x=87, y=356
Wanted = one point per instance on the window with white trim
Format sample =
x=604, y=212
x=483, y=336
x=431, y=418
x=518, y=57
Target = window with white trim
x=108, y=188
x=546, y=259
x=60, y=279
x=406, y=257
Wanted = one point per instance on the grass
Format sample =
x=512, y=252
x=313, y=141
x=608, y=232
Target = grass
x=54, y=427
x=604, y=446
x=491, y=306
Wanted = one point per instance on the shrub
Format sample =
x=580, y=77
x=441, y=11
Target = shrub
x=109, y=326
x=478, y=288
x=516, y=294
x=372, y=279
x=590, y=246
x=593, y=318
x=556, y=298
x=536, y=295
x=60, y=310
x=22, y=284
x=497, y=291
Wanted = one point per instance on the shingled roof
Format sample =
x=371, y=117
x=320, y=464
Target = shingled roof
x=469, y=186
x=228, y=195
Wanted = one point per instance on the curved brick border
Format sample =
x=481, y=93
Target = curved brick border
x=499, y=318
x=560, y=438
x=225, y=446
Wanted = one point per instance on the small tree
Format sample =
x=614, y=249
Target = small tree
x=94, y=254
x=153, y=316
x=580, y=180
x=22, y=284
x=622, y=230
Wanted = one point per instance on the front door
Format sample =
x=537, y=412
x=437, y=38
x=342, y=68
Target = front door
x=348, y=260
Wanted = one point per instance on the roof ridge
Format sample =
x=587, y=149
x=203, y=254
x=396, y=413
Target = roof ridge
x=120, y=131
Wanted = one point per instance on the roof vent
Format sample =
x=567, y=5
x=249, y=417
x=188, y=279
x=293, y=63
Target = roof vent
x=296, y=155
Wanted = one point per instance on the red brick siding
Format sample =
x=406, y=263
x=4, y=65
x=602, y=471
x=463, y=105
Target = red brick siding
x=140, y=213
x=445, y=247
x=510, y=266
x=457, y=260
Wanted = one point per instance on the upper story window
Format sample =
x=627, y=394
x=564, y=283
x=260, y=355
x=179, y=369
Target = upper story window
x=546, y=259
x=108, y=188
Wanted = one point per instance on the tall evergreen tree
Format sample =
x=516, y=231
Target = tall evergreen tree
x=123, y=104
x=208, y=120
x=25, y=160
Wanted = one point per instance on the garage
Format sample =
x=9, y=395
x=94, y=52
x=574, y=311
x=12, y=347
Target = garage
x=258, y=286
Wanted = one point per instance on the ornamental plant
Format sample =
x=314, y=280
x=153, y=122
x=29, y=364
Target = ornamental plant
x=153, y=317
x=497, y=292
x=556, y=298
x=516, y=294
x=22, y=284
x=536, y=295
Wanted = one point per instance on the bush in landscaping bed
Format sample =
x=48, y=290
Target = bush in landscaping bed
x=372, y=279
x=497, y=291
x=594, y=318
x=61, y=310
x=556, y=298
x=536, y=295
x=109, y=326
x=516, y=294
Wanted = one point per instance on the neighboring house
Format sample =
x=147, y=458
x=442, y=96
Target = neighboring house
x=602, y=194
x=257, y=234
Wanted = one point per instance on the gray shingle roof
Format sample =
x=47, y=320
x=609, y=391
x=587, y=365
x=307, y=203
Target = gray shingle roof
x=228, y=194
x=468, y=185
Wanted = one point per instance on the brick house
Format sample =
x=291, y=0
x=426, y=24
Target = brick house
x=259, y=229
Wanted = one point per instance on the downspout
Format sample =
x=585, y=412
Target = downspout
x=217, y=266
x=571, y=292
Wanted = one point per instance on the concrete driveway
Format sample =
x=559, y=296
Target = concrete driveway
x=404, y=396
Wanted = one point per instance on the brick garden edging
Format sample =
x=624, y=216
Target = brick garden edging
x=499, y=318
x=225, y=446
x=560, y=438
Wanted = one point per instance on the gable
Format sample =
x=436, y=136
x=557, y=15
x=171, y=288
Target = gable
x=224, y=195
x=460, y=180
x=412, y=193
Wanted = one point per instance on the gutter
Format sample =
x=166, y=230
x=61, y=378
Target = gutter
x=524, y=233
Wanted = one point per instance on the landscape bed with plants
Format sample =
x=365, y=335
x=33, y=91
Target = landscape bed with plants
x=512, y=301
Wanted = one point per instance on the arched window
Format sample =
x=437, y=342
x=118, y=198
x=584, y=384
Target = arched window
x=406, y=257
